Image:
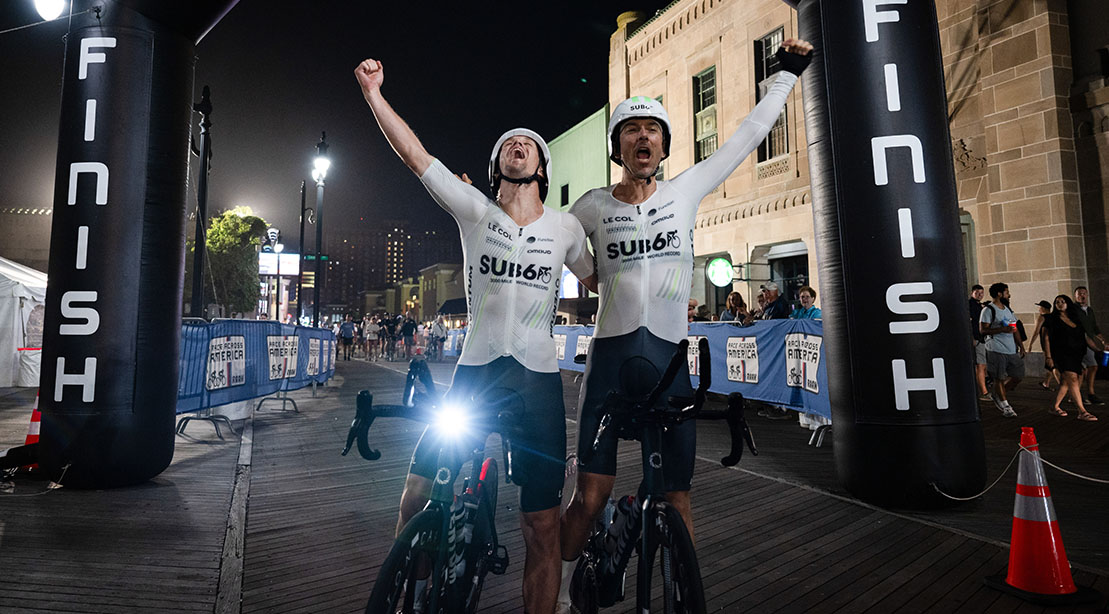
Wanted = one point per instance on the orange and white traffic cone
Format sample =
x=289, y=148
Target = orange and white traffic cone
x=33, y=430
x=1038, y=568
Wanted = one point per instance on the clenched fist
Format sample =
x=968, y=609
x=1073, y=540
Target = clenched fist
x=370, y=75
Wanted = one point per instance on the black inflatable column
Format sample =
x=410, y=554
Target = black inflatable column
x=893, y=282
x=113, y=304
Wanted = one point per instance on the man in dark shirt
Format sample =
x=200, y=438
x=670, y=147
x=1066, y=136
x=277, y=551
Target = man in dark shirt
x=408, y=331
x=975, y=307
x=1089, y=324
x=777, y=308
x=389, y=336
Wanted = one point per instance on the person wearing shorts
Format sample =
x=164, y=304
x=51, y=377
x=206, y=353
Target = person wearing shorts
x=1004, y=349
x=538, y=437
x=641, y=230
x=513, y=251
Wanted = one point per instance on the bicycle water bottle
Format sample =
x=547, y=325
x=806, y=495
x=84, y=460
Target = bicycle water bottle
x=457, y=537
x=618, y=544
x=617, y=519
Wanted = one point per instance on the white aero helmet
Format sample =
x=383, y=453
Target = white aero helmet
x=545, y=154
x=637, y=107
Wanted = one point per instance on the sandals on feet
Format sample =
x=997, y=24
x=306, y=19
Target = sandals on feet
x=1058, y=411
x=1087, y=416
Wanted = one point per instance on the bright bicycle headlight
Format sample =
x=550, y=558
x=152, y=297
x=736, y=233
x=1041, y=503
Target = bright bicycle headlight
x=452, y=421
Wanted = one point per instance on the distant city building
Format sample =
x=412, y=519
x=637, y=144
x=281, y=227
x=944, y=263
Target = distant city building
x=372, y=254
x=440, y=283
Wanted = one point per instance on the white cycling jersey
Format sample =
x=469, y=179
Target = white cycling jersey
x=644, y=251
x=512, y=273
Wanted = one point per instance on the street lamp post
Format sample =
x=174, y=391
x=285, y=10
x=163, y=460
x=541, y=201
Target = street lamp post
x=319, y=172
x=300, y=267
x=204, y=107
x=277, y=249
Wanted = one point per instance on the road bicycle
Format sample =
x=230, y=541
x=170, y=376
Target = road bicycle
x=599, y=578
x=439, y=561
x=435, y=348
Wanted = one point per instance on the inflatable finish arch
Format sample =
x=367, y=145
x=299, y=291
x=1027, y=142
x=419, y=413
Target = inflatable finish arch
x=892, y=276
x=113, y=303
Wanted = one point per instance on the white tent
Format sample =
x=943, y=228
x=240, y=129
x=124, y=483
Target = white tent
x=22, y=290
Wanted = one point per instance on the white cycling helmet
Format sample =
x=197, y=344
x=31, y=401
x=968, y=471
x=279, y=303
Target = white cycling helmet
x=545, y=160
x=638, y=107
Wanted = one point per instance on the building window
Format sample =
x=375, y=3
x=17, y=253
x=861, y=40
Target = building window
x=565, y=196
x=704, y=114
x=766, y=67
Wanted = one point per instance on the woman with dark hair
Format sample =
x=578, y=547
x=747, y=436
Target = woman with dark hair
x=734, y=308
x=1064, y=347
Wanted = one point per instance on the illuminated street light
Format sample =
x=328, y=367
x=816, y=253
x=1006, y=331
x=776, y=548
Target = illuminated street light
x=319, y=172
x=277, y=249
x=49, y=9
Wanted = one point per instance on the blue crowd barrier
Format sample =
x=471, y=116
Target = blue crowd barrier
x=775, y=361
x=453, y=346
x=234, y=360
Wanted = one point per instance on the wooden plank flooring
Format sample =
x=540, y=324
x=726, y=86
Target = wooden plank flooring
x=149, y=548
x=777, y=534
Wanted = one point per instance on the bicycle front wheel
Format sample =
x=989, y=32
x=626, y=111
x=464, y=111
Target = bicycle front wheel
x=404, y=580
x=682, y=591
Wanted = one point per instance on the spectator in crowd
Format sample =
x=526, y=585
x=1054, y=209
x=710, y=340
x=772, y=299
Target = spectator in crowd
x=1089, y=324
x=1041, y=332
x=735, y=309
x=408, y=331
x=1065, y=349
x=346, y=335
x=691, y=313
x=1004, y=349
x=373, y=333
x=976, y=294
x=704, y=314
x=439, y=336
x=777, y=307
x=808, y=310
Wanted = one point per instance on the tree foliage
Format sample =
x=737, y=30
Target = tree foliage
x=231, y=262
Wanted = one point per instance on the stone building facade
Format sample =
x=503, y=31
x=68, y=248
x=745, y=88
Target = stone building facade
x=1029, y=115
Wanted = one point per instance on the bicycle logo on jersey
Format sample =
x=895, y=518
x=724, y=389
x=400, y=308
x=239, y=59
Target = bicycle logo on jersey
x=644, y=246
x=503, y=268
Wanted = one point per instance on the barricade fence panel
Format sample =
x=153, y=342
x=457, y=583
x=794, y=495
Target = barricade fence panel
x=225, y=361
x=775, y=361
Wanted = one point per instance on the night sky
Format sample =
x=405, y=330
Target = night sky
x=280, y=76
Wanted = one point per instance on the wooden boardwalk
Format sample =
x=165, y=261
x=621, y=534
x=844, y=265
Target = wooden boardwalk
x=777, y=534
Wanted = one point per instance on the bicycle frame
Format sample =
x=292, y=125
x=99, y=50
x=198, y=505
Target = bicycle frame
x=641, y=419
x=452, y=509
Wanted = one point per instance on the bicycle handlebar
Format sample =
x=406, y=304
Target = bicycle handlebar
x=688, y=407
x=422, y=408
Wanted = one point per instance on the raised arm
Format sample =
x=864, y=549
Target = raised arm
x=703, y=177
x=371, y=75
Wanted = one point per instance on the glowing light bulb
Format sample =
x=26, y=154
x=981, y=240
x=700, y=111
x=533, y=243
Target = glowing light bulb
x=49, y=9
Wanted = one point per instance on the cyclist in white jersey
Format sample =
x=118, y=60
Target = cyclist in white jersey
x=513, y=250
x=642, y=235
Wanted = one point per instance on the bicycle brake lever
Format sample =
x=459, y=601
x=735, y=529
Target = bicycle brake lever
x=360, y=427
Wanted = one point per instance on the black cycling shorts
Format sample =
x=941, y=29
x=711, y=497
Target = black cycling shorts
x=646, y=357
x=539, y=446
